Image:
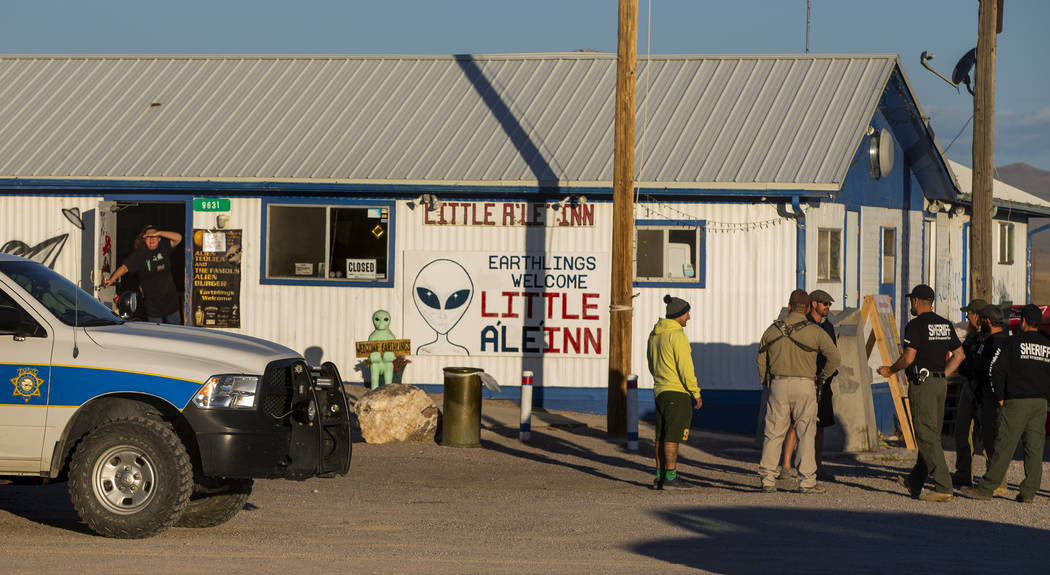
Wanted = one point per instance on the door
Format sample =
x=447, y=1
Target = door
x=851, y=261
x=106, y=242
x=25, y=373
x=888, y=264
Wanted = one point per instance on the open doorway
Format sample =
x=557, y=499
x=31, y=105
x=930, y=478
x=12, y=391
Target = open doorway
x=131, y=218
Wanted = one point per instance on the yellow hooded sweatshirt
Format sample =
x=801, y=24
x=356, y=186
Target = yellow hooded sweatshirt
x=671, y=359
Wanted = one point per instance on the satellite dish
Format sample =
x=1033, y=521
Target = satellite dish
x=961, y=73
x=880, y=153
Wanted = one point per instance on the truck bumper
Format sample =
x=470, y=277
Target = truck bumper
x=300, y=427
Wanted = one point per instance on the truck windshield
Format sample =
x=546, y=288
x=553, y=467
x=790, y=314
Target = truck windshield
x=70, y=304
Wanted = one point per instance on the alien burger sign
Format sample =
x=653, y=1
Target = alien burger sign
x=491, y=303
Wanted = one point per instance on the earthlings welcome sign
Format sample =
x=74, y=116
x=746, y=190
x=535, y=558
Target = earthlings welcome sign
x=496, y=303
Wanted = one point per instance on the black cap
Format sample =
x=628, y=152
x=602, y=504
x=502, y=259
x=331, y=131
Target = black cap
x=922, y=291
x=1032, y=315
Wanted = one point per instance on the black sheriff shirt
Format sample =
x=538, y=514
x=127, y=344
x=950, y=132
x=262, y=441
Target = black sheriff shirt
x=153, y=269
x=1022, y=369
x=987, y=353
x=933, y=338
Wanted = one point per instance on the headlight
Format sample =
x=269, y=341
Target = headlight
x=229, y=391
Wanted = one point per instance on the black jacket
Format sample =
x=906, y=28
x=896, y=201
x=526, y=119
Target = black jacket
x=1022, y=368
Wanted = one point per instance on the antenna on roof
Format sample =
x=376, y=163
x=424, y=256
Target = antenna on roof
x=961, y=73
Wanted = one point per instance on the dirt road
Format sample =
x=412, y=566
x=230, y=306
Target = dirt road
x=567, y=502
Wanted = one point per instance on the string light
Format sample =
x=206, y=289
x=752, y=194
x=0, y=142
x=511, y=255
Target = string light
x=667, y=212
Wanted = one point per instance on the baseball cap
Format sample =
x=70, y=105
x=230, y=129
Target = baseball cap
x=798, y=298
x=1032, y=315
x=975, y=305
x=821, y=296
x=922, y=291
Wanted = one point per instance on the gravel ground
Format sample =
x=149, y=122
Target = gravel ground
x=569, y=501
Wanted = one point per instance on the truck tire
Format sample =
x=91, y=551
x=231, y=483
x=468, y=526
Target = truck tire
x=215, y=501
x=130, y=478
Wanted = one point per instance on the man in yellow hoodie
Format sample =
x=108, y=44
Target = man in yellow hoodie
x=675, y=387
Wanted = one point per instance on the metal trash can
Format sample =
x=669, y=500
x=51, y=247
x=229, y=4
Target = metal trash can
x=461, y=426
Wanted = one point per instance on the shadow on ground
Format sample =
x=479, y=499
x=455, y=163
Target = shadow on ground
x=791, y=540
x=46, y=504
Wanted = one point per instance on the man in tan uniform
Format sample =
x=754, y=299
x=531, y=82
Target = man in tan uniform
x=787, y=360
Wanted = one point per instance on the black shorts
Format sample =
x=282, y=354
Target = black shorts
x=825, y=413
x=674, y=415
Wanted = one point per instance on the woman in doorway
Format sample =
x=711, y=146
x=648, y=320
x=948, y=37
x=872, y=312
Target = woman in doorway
x=151, y=263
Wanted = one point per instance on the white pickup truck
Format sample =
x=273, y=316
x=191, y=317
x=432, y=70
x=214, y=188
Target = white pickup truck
x=153, y=425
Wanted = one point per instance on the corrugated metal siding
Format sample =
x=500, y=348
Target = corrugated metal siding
x=28, y=221
x=787, y=121
x=1010, y=280
x=826, y=216
x=747, y=284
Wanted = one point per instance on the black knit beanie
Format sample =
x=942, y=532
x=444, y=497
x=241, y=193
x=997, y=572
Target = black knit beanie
x=675, y=307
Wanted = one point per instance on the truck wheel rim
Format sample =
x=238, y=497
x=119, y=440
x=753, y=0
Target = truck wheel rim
x=124, y=479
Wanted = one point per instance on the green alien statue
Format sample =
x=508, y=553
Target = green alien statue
x=381, y=363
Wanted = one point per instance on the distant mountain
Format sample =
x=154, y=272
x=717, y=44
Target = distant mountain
x=1027, y=178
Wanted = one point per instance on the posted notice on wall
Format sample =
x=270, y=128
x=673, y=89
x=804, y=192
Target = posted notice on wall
x=216, y=278
x=502, y=303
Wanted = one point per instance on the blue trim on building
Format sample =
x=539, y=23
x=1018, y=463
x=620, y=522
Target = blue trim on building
x=800, y=243
x=391, y=266
x=724, y=410
x=965, y=264
x=701, y=272
x=1028, y=260
x=404, y=191
x=885, y=411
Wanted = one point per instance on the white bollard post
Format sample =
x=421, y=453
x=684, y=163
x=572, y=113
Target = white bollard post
x=525, y=430
x=632, y=412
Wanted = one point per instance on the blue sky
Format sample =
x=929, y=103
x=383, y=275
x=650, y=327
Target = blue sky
x=948, y=28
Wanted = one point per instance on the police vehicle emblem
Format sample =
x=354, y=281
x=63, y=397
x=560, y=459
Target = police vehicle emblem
x=26, y=383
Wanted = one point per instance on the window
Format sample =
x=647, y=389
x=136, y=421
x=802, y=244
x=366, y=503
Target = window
x=335, y=244
x=1006, y=243
x=669, y=252
x=829, y=258
x=929, y=239
x=889, y=255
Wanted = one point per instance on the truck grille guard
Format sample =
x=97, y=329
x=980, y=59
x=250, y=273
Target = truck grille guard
x=311, y=403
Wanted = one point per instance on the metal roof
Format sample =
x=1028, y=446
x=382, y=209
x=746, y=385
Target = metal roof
x=1004, y=195
x=748, y=121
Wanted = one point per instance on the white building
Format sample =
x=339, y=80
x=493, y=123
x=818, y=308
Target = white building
x=470, y=197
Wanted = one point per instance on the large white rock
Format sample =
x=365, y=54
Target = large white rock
x=397, y=412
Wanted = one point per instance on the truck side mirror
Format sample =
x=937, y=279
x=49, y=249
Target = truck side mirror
x=127, y=303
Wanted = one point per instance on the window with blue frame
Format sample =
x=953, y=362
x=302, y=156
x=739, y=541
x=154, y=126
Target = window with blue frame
x=669, y=253
x=330, y=243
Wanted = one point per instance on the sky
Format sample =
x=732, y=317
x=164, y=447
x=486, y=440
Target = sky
x=946, y=28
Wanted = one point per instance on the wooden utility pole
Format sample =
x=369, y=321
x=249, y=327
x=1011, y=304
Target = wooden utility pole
x=620, y=315
x=983, y=150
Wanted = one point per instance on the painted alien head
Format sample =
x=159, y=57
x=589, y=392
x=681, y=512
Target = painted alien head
x=381, y=319
x=442, y=293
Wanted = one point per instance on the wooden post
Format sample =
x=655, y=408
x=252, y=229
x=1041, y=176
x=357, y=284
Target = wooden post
x=983, y=151
x=888, y=355
x=620, y=315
